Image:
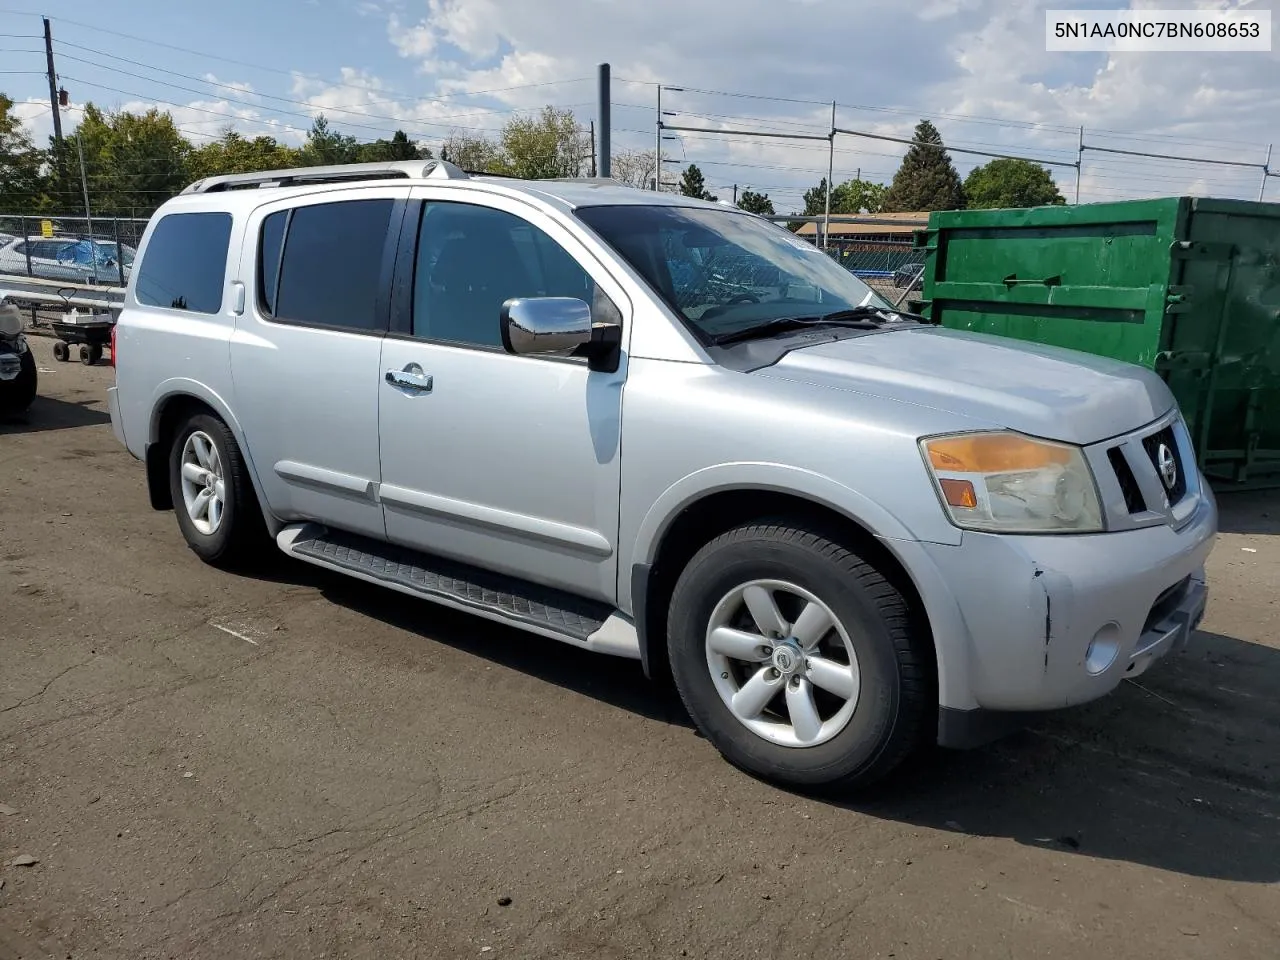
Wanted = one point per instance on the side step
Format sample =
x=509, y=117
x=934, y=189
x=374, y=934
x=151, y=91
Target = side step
x=528, y=606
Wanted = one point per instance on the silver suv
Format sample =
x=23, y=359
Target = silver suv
x=658, y=428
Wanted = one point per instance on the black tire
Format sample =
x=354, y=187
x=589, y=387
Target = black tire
x=61, y=351
x=896, y=701
x=95, y=354
x=17, y=394
x=241, y=533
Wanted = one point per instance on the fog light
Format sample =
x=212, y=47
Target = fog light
x=1102, y=649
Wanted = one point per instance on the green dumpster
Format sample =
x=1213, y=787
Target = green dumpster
x=1188, y=287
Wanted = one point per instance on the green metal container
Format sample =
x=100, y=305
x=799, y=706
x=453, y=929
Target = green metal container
x=1185, y=286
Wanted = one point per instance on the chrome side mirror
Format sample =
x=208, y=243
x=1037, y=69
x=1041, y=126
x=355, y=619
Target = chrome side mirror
x=533, y=325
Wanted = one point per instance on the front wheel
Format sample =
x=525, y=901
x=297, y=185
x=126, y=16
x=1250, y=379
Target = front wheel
x=797, y=659
x=213, y=496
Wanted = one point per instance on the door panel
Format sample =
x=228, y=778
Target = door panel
x=506, y=462
x=305, y=355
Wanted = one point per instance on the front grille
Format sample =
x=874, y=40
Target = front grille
x=1133, y=500
x=1165, y=439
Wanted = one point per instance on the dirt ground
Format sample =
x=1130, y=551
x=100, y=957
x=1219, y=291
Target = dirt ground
x=298, y=765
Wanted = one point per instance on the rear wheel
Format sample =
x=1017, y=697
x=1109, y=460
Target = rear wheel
x=61, y=351
x=797, y=658
x=213, y=496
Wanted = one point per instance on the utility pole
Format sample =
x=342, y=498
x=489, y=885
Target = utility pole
x=735, y=194
x=831, y=172
x=593, y=148
x=1079, y=162
x=53, y=82
x=657, y=156
x=88, y=215
x=606, y=168
x=1266, y=172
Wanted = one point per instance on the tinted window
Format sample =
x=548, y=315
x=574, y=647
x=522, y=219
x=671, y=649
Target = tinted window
x=186, y=263
x=332, y=264
x=269, y=248
x=471, y=259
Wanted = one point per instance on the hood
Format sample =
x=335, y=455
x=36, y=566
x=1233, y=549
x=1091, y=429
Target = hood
x=1040, y=390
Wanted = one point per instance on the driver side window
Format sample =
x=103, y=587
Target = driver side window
x=471, y=259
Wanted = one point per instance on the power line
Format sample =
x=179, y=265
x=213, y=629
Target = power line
x=232, y=116
x=294, y=74
x=270, y=96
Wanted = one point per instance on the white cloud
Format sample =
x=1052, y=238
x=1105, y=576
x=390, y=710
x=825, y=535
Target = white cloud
x=474, y=61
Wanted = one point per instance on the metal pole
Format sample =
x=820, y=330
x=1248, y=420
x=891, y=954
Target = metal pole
x=605, y=165
x=88, y=216
x=735, y=194
x=119, y=251
x=657, y=154
x=593, y=148
x=53, y=82
x=831, y=172
x=1266, y=172
x=1079, y=162
x=26, y=246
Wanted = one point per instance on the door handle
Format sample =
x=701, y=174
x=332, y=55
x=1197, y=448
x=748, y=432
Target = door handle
x=411, y=378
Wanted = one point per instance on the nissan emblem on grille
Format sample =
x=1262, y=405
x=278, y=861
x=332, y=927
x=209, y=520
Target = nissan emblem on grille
x=1167, y=466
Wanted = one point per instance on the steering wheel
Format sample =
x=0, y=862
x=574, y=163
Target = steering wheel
x=742, y=298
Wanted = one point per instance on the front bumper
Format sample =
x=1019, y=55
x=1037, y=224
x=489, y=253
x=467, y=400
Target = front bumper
x=1052, y=621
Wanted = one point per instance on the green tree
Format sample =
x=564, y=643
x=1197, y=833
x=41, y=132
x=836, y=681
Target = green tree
x=633, y=167
x=234, y=153
x=399, y=147
x=326, y=147
x=926, y=180
x=477, y=154
x=754, y=202
x=851, y=197
x=549, y=145
x=693, y=184
x=22, y=182
x=133, y=162
x=1011, y=183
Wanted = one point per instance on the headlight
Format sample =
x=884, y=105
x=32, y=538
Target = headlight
x=1010, y=483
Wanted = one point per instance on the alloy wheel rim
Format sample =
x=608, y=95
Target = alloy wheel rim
x=204, y=491
x=783, y=663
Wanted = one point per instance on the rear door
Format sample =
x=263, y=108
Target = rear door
x=305, y=354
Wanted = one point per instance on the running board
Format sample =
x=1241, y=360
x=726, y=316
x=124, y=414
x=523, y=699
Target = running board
x=528, y=606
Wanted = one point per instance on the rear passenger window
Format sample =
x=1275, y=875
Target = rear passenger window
x=332, y=264
x=269, y=249
x=185, y=267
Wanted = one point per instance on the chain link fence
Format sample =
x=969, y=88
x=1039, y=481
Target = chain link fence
x=75, y=249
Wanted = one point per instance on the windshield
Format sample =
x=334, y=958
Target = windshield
x=725, y=271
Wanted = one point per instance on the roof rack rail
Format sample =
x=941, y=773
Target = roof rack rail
x=341, y=173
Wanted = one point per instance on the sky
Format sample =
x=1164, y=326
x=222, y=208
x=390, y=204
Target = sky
x=977, y=68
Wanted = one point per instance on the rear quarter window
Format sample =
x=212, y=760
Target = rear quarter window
x=185, y=264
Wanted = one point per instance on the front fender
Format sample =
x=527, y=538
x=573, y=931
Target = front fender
x=950, y=638
x=765, y=476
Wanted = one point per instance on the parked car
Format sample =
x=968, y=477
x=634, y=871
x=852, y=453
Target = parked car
x=75, y=259
x=18, y=374
x=909, y=275
x=842, y=532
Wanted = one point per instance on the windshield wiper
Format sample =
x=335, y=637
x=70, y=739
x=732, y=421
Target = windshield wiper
x=860, y=318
